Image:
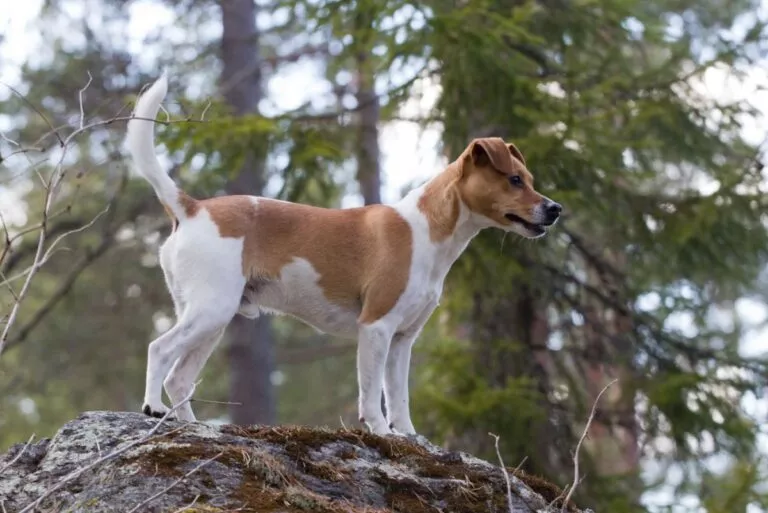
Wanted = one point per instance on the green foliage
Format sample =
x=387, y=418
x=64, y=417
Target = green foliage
x=456, y=397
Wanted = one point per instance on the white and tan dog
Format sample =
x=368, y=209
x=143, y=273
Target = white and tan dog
x=374, y=273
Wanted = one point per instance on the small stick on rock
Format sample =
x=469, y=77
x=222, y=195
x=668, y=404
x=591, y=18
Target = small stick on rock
x=175, y=483
x=504, y=471
x=18, y=456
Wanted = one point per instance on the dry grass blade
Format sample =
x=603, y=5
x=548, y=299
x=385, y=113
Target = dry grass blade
x=576, y=478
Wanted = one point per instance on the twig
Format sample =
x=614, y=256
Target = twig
x=175, y=483
x=8, y=139
x=208, y=106
x=74, y=475
x=551, y=505
x=576, y=479
x=51, y=187
x=64, y=286
x=40, y=259
x=18, y=456
x=39, y=113
x=82, y=91
x=167, y=114
x=520, y=465
x=184, y=508
x=504, y=471
x=209, y=401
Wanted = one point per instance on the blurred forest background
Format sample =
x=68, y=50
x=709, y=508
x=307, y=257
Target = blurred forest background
x=642, y=118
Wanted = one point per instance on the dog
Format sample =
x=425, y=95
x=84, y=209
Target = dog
x=373, y=273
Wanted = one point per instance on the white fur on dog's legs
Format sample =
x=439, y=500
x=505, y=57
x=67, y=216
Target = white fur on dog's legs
x=182, y=377
x=160, y=356
x=373, y=344
x=396, y=384
x=196, y=324
x=398, y=365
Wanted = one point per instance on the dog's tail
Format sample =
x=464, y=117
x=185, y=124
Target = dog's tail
x=141, y=145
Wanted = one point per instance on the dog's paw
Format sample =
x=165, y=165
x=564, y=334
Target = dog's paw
x=378, y=426
x=402, y=428
x=155, y=412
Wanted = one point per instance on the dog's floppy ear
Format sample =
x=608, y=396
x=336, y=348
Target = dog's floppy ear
x=490, y=151
x=516, y=153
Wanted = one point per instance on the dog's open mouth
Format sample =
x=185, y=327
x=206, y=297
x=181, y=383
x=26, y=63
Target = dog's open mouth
x=535, y=228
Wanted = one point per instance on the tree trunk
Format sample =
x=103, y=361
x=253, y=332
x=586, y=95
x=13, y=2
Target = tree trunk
x=368, y=169
x=251, y=345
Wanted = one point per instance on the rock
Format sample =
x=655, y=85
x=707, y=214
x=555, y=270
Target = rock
x=195, y=467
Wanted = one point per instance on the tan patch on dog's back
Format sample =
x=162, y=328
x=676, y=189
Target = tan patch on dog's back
x=363, y=255
x=188, y=203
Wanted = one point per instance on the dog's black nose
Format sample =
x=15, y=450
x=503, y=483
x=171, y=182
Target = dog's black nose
x=554, y=210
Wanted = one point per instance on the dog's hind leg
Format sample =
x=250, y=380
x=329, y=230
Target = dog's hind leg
x=166, y=254
x=179, y=382
x=204, y=271
x=211, y=297
x=196, y=330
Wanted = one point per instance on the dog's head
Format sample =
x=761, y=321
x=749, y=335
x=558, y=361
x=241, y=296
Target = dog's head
x=496, y=184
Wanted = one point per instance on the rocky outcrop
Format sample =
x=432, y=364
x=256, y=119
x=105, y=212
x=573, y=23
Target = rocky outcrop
x=199, y=467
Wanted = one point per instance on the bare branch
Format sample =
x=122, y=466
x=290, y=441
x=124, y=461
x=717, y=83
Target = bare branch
x=576, y=478
x=18, y=456
x=184, y=508
x=504, y=471
x=175, y=483
x=117, y=452
x=551, y=505
x=39, y=113
x=520, y=465
x=8, y=139
x=208, y=401
x=64, y=287
x=51, y=186
x=19, y=254
x=40, y=259
x=82, y=91
x=208, y=106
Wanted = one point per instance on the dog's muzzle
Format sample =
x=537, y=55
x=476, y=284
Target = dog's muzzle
x=552, y=211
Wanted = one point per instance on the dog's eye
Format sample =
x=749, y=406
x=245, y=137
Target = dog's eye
x=516, y=181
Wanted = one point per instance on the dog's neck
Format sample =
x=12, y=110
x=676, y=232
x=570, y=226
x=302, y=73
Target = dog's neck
x=451, y=224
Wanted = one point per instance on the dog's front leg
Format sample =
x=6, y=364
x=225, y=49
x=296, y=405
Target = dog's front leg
x=396, y=383
x=372, y=347
x=397, y=369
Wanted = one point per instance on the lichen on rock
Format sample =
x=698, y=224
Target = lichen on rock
x=263, y=469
